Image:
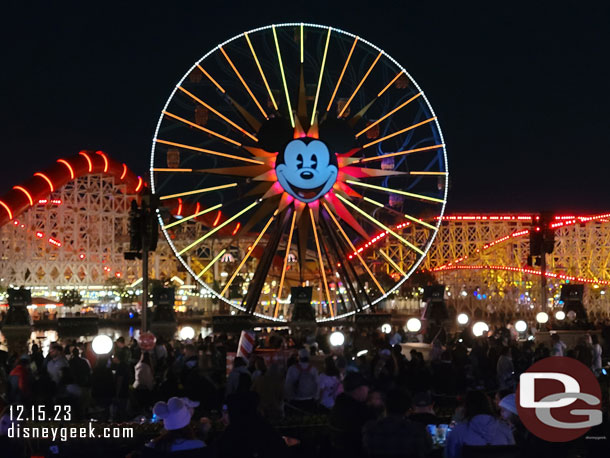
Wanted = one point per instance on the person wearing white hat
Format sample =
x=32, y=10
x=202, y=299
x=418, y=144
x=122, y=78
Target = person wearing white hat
x=178, y=436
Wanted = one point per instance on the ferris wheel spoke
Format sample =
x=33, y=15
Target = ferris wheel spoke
x=201, y=128
x=391, y=262
x=390, y=113
x=380, y=224
x=243, y=82
x=248, y=253
x=321, y=262
x=279, y=58
x=399, y=153
x=366, y=75
x=260, y=70
x=315, y=101
x=198, y=191
x=219, y=114
x=212, y=80
x=406, y=129
x=395, y=191
x=349, y=56
x=210, y=152
x=285, y=264
x=353, y=248
x=211, y=263
x=217, y=228
x=194, y=215
x=419, y=221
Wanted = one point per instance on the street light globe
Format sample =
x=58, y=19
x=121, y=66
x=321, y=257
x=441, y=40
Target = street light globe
x=542, y=317
x=102, y=345
x=187, y=333
x=386, y=328
x=479, y=328
x=521, y=326
x=413, y=325
x=337, y=339
x=462, y=318
x=560, y=315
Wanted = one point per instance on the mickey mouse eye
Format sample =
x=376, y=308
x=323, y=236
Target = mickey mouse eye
x=299, y=161
x=314, y=161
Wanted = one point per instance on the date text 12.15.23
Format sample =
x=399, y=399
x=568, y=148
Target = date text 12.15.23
x=40, y=413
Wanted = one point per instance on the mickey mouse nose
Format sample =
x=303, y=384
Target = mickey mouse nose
x=306, y=175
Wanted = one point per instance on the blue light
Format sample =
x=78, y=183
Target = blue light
x=604, y=372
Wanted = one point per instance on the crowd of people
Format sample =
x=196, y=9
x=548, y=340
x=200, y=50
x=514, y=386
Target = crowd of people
x=371, y=397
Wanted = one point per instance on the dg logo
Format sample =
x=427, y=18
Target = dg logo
x=559, y=399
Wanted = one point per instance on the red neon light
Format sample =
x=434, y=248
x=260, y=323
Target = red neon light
x=40, y=234
x=67, y=164
x=124, y=172
x=101, y=153
x=197, y=208
x=140, y=183
x=43, y=201
x=528, y=271
x=179, y=212
x=236, y=228
x=486, y=218
x=117, y=274
x=26, y=192
x=86, y=156
x=16, y=223
x=45, y=178
x=375, y=239
x=217, y=219
x=55, y=242
x=82, y=256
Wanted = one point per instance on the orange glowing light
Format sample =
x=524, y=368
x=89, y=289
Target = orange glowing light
x=67, y=164
x=45, y=178
x=216, y=221
x=86, y=156
x=197, y=126
x=207, y=151
x=349, y=56
x=124, y=171
x=101, y=153
x=366, y=75
x=388, y=114
x=220, y=88
x=140, y=183
x=179, y=212
x=390, y=84
x=236, y=228
x=400, y=153
x=406, y=129
x=26, y=192
x=260, y=69
x=322, y=271
x=7, y=208
x=244, y=83
x=217, y=113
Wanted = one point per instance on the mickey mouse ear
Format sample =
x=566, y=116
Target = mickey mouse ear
x=338, y=135
x=274, y=134
x=175, y=404
x=161, y=409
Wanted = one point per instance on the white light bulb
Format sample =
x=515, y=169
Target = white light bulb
x=479, y=328
x=337, y=339
x=542, y=317
x=521, y=326
x=187, y=333
x=462, y=318
x=560, y=315
x=386, y=328
x=413, y=325
x=102, y=345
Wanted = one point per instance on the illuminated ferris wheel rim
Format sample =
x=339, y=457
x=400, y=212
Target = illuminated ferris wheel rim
x=391, y=59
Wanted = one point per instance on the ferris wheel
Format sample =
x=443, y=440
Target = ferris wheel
x=310, y=143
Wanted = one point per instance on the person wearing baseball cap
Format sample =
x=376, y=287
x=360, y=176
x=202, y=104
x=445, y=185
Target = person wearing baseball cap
x=349, y=415
x=423, y=409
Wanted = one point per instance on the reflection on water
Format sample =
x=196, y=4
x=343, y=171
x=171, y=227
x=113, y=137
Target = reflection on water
x=44, y=338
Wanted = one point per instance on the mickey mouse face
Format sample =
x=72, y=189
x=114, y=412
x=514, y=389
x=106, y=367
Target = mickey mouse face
x=306, y=169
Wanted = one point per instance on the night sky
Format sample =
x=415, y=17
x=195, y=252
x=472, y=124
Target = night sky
x=521, y=92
